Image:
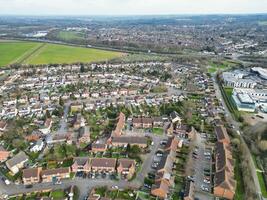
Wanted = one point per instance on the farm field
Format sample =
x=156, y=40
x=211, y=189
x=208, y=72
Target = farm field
x=44, y=53
x=12, y=51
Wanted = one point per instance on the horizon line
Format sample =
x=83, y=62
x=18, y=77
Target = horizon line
x=128, y=15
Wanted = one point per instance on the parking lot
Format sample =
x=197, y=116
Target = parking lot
x=202, y=162
x=92, y=175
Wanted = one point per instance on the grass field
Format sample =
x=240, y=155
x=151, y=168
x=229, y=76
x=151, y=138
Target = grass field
x=70, y=35
x=262, y=184
x=43, y=53
x=240, y=190
x=12, y=51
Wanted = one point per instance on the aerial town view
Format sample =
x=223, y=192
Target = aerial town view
x=133, y=100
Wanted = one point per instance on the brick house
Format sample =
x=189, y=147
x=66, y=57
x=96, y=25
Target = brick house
x=84, y=135
x=158, y=122
x=53, y=175
x=147, y=122
x=31, y=176
x=125, y=140
x=224, y=182
x=137, y=123
x=4, y=154
x=107, y=165
x=120, y=125
x=98, y=147
x=160, y=189
x=81, y=164
x=126, y=167
x=222, y=135
x=172, y=144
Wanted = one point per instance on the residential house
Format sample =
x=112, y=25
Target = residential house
x=97, y=147
x=38, y=146
x=17, y=162
x=106, y=165
x=126, y=167
x=137, y=122
x=222, y=135
x=175, y=118
x=158, y=122
x=84, y=135
x=224, y=182
x=143, y=122
x=160, y=189
x=172, y=144
x=123, y=141
x=147, y=122
x=55, y=175
x=4, y=154
x=81, y=164
x=31, y=176
x=119, y=126
x=170, y=129
x=47, y=126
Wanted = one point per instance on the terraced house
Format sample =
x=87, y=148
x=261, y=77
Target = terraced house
x=31, y=176
x=54, y=175
x=164, y=179
x=224, y=182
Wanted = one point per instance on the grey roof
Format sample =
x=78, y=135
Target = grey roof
x=81, y=160
x=20, y=157
x=130, y=140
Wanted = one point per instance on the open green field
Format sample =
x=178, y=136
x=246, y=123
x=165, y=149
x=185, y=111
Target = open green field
x=43, y=53
x=70, y=35
x=12, y=51
x=222, y=65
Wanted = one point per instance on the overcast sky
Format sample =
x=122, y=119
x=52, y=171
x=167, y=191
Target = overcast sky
x=130, y=7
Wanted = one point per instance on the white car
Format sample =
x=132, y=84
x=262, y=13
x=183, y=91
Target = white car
x=206, y=181
x=7, y=182
x=204, y=188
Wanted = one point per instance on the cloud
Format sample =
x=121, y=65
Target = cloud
x=128, y=7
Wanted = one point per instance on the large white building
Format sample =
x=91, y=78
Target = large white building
x=249, y=99
x=237, y=80
x=261, y=71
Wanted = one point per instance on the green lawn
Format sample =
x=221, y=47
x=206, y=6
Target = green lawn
x=12, y=51
x=40, y=53
x=262, y=184
x=157, y=131
x=58, y=194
